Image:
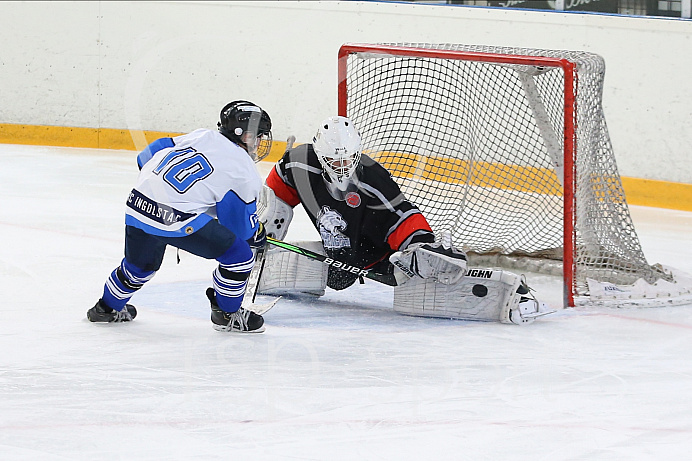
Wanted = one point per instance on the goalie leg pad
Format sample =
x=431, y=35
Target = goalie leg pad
x=274, y=213
x=489, y=295
x=286, y=272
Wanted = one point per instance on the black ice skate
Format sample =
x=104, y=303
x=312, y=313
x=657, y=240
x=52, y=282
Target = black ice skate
x=102, y=313
x=241, y=321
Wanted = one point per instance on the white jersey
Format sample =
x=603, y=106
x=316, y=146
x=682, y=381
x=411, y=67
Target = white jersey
x=179, y=187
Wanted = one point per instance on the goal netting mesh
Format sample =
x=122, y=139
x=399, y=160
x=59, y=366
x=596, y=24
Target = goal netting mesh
x=479, y=146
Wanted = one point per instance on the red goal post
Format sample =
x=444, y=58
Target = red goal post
x=453, y=121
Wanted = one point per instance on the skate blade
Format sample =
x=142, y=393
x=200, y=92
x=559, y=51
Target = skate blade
x=225, y=329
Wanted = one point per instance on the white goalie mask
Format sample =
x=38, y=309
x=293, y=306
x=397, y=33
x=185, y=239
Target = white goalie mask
x=337, y=145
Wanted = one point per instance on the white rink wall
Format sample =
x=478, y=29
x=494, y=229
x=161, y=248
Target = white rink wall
x=170, y=66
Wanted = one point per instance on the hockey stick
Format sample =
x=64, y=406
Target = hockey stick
x=252, y=285
x=255, y=276
x=334, y=263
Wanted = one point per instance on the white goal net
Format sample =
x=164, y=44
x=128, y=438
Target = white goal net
x=508, y=149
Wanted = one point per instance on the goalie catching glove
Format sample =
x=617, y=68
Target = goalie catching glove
x=439, y=261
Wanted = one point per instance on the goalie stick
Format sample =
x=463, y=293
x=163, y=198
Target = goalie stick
x=333, y=262
x=255, y=276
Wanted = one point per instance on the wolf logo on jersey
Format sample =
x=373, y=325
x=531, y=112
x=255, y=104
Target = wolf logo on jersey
x=331, y=223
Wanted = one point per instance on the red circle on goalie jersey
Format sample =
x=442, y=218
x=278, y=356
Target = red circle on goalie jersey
x=353, y=199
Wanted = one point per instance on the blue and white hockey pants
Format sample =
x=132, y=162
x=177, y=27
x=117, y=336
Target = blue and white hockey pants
x=144, y=255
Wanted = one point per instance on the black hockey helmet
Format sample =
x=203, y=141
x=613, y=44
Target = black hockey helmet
x=247, y=125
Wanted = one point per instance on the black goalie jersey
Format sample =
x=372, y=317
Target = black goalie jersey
x=361, y=226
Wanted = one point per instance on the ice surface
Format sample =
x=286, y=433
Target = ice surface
x=339, y=378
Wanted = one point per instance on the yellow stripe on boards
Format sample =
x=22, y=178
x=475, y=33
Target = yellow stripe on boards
x=645, y=192
x=95, y=138
x=658, y=194
x=481, y=174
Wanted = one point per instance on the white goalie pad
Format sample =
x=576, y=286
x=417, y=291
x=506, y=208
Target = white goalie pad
x=286, y=272
x=489, y=295
x=274, y=213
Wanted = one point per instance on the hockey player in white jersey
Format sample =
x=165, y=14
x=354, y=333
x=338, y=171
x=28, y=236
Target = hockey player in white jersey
x=365, y=221
x=197, y=192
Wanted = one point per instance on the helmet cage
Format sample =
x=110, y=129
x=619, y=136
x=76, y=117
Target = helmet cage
x=340, y=167
x=263, y=147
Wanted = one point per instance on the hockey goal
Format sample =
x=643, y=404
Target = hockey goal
x=508, y=149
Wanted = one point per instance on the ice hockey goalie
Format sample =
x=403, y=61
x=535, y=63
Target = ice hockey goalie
x=365, y=221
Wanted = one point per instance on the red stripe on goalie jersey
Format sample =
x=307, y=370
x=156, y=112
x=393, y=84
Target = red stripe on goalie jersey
x=281, y=189
x=406, y=228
